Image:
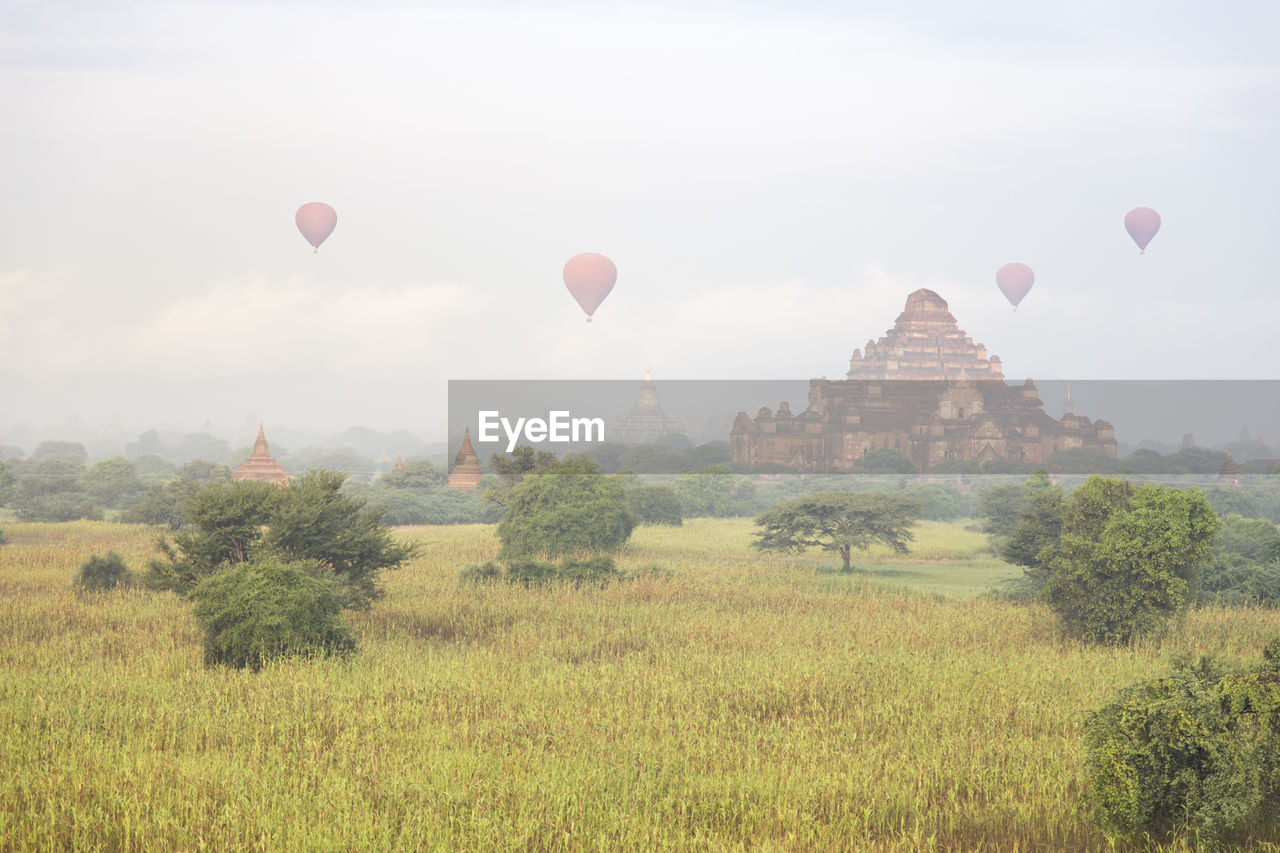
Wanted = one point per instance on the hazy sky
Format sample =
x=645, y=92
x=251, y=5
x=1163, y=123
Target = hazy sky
x=770, y=184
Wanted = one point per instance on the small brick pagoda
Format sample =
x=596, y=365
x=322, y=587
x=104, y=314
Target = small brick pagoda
x=466, y=466
x=260, y=465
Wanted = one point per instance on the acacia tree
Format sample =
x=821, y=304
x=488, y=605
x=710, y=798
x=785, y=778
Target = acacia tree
x=839, y=522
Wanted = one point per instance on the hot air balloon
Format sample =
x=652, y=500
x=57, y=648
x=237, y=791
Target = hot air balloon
x=589, y=278
x=1142, y=223
x=316, y=220
x=1015, y=281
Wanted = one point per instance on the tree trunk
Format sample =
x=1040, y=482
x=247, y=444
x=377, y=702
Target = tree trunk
x=844, y=554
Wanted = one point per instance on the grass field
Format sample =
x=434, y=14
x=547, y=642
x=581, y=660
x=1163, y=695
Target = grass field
x=731, y=701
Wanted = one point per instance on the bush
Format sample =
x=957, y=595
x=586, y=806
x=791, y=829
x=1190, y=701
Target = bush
x=654, y=505
x=567, y=508
x=1196, y=750
x=255, y=612
x=1246, y=563
x=1128, y=557
x=164, y=505
x=593, y=571
x=102, y=572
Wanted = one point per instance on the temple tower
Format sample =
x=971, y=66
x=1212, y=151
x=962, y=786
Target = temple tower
x=260, y=465
x=466, y=466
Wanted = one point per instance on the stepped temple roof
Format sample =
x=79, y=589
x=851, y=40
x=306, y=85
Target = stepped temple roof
x=260, y=465
x=466, y=466
x=924, y=343
x=925, y=390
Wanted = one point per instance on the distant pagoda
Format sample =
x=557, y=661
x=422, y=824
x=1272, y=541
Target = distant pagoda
x=466, y=466
x=1230, y=474
x=260, y=465
x=646, y=423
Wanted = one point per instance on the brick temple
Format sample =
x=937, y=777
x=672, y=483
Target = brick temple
x=926, y=390
x=260, y=465
x=466, y=466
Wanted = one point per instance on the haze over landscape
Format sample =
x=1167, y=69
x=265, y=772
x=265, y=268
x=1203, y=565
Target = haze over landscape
x=771, y=185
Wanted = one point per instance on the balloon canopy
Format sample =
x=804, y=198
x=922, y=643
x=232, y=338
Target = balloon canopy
x=1015, y=281
x=316, y=220
x=589, y=278
x=1142, y=223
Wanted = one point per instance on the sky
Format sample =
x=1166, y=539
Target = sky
x=770, y=183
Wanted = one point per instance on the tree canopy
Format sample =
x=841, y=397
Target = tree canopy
x=1128, y=557
x=565, y=508
x=309, y=521
x=839, y=522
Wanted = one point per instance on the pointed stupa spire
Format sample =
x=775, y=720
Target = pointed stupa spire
x=466, y=465
x=260, y=443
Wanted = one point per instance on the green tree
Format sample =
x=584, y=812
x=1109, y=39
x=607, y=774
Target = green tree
x=164, y=505
x=152, y=469
x=1038, y=525
x=308, y=521
x=1195, y=750
x=839, y=522
x=416, y=474
x=72, y=452
x=203, y=471
x=313, y=520
x=654, y=505
x=103, y=572
x=513, y=468
x=714, y=492
x=885, y=461
x=999, y=507
x=113, y=483
x=258, y=611
x=1127, y=558
x=568, y=508
x=8, y=483
x=1246, y=563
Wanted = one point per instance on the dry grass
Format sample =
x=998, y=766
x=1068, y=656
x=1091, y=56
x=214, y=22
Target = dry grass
x=736, y=702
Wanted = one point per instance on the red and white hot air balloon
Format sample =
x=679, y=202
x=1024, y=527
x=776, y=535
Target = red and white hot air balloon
x=316, y=220
x=589, y=278
x=1015, y=281
x=1142, y=223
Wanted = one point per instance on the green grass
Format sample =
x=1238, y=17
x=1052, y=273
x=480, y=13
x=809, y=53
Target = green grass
x=739, y=701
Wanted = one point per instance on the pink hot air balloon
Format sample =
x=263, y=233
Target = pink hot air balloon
x=1015, y=281
x=316, y=220
x=1142, y=223
x=589, y=278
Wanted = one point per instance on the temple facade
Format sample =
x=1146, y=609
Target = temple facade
x=260, y=465
x=926, y=390
x=466, y=466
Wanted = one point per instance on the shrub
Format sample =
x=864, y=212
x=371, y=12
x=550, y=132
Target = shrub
x=102, y=572
x=1198, y=750
x=592, y=571
x=254, y=612
x=1128, y=557
x=567, y=508
x=654, y=505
